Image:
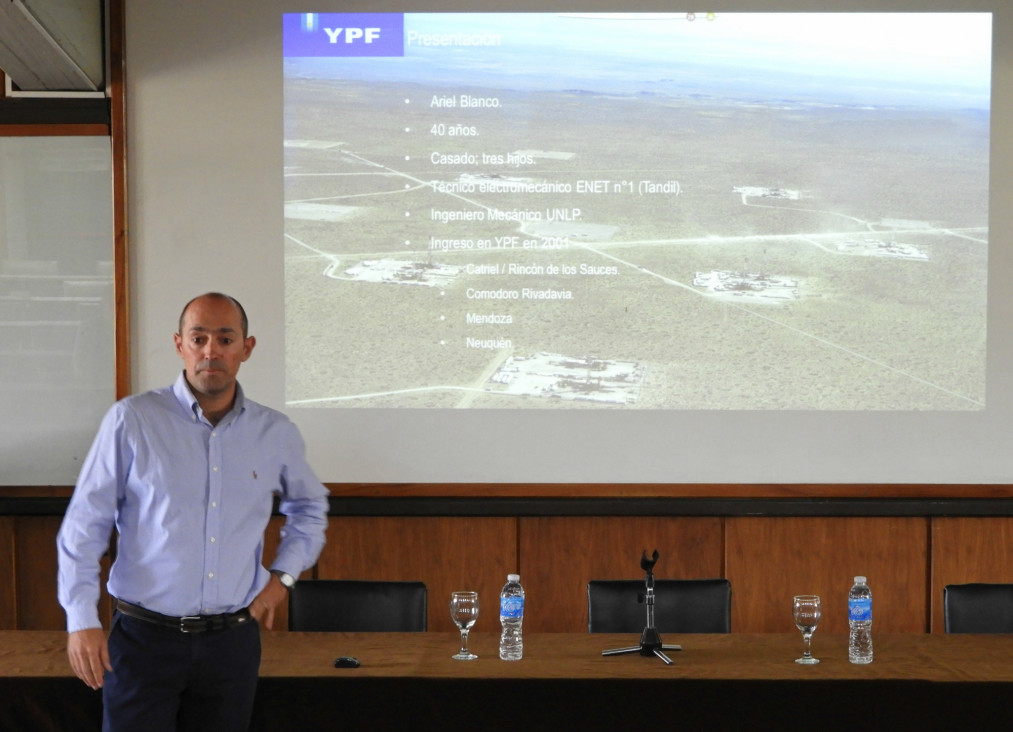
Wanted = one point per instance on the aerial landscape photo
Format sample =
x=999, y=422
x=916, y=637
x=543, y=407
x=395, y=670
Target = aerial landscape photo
x=461, y=232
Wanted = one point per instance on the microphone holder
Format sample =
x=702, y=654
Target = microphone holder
x=650, y=640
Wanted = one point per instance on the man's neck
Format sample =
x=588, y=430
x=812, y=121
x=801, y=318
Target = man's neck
x=214, y=406
x=214, y=415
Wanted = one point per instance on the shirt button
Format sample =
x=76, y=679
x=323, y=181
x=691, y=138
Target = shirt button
x=212, y=540
x=211, y=575
x=214, y=504
x=215, y=468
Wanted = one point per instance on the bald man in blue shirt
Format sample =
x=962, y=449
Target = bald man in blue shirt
x=186, y=475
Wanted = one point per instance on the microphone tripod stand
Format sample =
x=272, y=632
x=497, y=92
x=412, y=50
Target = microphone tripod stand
x=650, y=641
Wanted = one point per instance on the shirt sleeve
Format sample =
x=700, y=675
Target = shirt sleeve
x=87, y=526
x=303, y=502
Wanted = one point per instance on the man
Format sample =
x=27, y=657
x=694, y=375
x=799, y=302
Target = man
x=187, y=476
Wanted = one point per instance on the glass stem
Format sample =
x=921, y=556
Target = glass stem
x=464, y=641
x=808, y=638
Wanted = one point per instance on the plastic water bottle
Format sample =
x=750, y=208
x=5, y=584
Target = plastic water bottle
x=511, y=617
x=860, y=620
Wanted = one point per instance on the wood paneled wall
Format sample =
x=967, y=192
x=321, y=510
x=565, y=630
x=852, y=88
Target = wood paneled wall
x=772, y=559
x=8, y=586
x=558, y=555
x=968, y=550
x=768, y=559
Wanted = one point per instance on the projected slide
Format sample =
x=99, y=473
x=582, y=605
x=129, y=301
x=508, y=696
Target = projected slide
x=636, y=211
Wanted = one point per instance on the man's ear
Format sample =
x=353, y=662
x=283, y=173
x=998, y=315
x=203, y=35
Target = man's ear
x=248, y=345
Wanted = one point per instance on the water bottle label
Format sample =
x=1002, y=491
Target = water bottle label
x=511, y=607
x=860, y=609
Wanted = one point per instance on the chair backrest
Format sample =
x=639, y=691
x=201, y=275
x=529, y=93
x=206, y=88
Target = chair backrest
x=680, y=606
x=357, y=606
x=978, y=607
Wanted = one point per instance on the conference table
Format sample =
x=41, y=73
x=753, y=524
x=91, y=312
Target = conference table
x=408, y=681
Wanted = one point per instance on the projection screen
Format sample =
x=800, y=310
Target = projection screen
x=750, y=245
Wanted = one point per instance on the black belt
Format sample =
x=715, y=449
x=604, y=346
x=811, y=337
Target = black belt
x=187, y=623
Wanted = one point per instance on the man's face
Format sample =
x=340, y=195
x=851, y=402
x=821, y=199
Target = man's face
x=212, y=346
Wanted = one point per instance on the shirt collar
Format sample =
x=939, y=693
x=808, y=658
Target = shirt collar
x=186, y=399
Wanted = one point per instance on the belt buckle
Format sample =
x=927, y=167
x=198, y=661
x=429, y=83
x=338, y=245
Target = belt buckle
x=185, y=628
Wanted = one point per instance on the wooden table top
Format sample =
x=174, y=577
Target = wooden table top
x=736, y=656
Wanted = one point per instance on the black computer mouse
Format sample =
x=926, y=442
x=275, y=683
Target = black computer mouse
x=346, y=662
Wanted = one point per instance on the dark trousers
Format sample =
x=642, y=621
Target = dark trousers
x=163, y=679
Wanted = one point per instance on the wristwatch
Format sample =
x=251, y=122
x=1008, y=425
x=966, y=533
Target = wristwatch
x=285, y=578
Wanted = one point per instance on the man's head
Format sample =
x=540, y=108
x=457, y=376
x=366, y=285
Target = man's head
x=220, y=296
x=213, y=343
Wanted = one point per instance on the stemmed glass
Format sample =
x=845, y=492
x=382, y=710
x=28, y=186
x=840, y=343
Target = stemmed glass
x=464, y=611
x=806, y=609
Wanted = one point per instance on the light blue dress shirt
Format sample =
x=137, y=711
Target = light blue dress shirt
x=190, y=502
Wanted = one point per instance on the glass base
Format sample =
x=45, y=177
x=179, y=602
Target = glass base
x=464, y=657
x=808, y=661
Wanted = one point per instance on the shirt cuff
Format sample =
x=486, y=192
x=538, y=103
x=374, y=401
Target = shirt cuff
x=82, y=618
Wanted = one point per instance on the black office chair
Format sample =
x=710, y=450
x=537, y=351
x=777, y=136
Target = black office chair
x=978, y=607
x=356, y=606
x=680, y=606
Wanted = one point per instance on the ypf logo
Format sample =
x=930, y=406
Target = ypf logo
x=353, y=35
x=343, y=34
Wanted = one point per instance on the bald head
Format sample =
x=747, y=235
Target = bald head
x=221, y=297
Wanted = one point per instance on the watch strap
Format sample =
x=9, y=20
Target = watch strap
x=285, y=578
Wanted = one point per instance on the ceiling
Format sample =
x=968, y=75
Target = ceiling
x=53, y=46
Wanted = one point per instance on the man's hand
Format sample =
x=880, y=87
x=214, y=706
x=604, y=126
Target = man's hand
x=263, y=606
x=89, y=655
